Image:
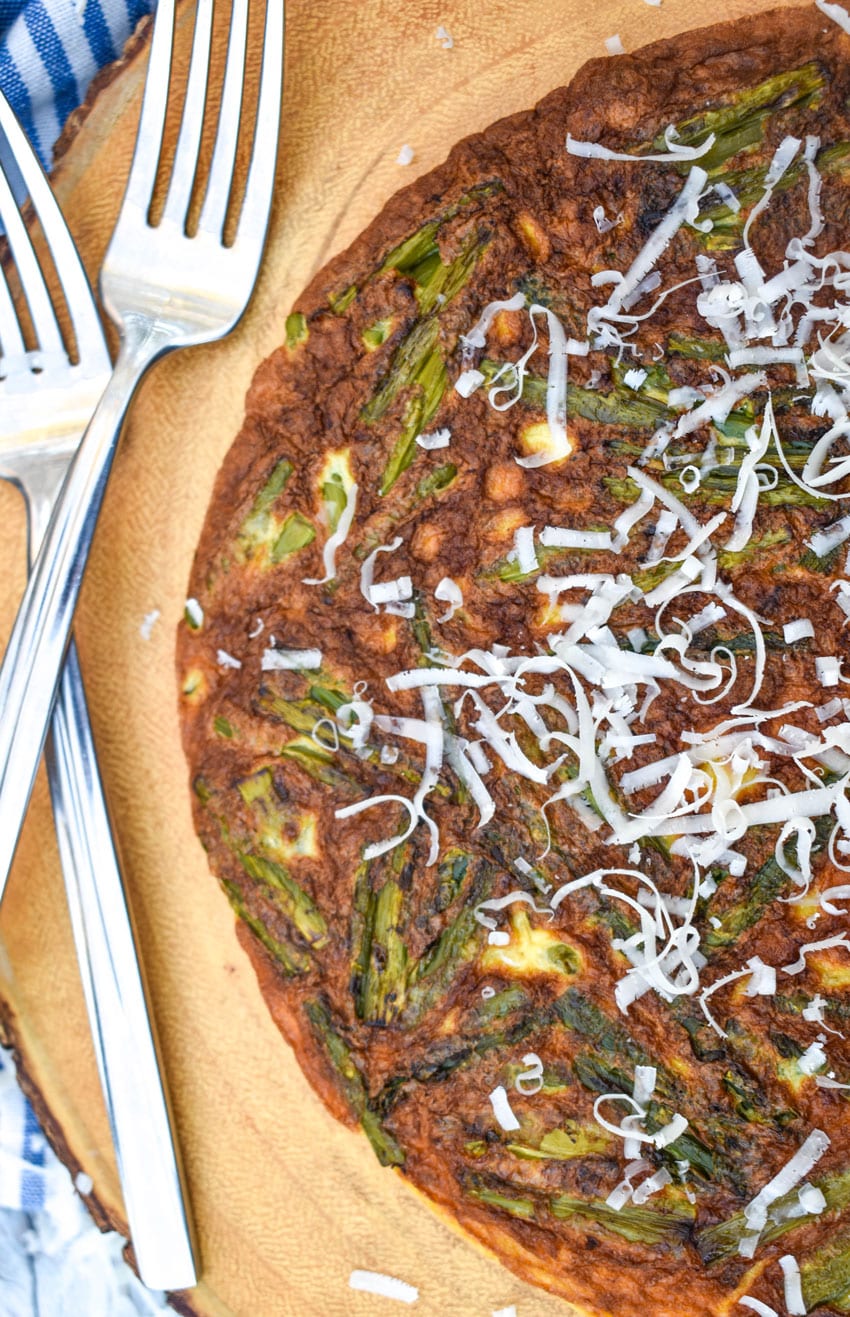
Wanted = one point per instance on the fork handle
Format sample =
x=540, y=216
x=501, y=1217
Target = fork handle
x=125, y=1047
x=29, y=676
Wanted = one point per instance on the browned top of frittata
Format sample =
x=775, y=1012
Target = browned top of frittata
x=514, y=679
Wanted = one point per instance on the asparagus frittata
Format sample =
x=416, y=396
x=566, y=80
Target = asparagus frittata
x=514, y=681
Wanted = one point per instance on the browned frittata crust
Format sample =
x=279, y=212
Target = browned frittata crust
x=405, y=1013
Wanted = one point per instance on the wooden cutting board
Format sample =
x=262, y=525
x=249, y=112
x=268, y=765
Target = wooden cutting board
x=287, y=1202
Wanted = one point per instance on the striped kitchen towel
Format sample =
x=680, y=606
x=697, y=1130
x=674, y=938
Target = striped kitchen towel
x=27, y=1176
x=54, y=1262
x=49, y=52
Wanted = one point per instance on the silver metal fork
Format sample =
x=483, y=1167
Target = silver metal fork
x=46, y=401
x=165, y=289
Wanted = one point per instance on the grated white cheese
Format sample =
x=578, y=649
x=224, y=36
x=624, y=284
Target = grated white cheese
x=477, y=336
x=390, y=592
x=794, y=1301
x=468, y=382
x=824, y=541
x=448, y=592
x=194, y=613
x=388, y=1287
x=524, y=553
x=828, y=670
x=502, y=1109
x=437, y=439
x=291, y=660
x=595, y=150
x=405, y=155
x=225, y=660
x=602, y=222
x=814, y=1058
x=806, y=1156
x=149, y=621
x=837, y=13
x=651, y=1185
x=614, y=45
x=801, y=629
x=811, y=1200
x=530, y=1081
x=444, y=37
x=763, y=978
x=756, y=1306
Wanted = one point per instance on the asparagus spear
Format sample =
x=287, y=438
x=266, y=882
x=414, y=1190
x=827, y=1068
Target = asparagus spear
x=641, y=1225
x=519, y=1207
x=388, y=1151
x=717, y=486
x=441, y=1058
x=289, y=897
x=296, y=330
x=414, y=254
x=260, y=528
x=291, y=959
x=383, y=960
x=417, y=365
x=566, y=1143
x=720, y=1241
x=748, y=187
x=740, y=124
x=617, y=406
x=825, y=1273
x=379, y=970
x=580, y=1015
x=432, y=977
x=600, y=1076
x=762, y=890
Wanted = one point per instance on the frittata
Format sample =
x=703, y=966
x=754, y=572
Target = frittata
x=514, y=679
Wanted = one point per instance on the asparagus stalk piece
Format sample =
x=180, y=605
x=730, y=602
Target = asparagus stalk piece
x=260, y=528
x=762, y=889
x=431, y=978
x=565, y=1144
x=825, y=1273
x=641, y=1225
x=417, y=366
x=720, y=1241
x=341, y=1059
x=379, y=971
x=291, y=959
x=289, y=897
x=740, y=124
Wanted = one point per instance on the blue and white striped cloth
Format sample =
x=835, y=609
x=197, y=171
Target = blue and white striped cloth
x=49, y=52
x=54, y=1262
x=24, y=1174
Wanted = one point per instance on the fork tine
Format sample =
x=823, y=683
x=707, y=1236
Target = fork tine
x=214, y=209
x=78, y=297
x=45, y=325
x=143, y=170
x=256, y=205
x=189, y=140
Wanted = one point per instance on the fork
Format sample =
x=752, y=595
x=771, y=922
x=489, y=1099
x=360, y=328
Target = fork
x=164, y=288
x=46, y=400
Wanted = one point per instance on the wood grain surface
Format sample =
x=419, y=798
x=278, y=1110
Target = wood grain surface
x=287, y=1202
